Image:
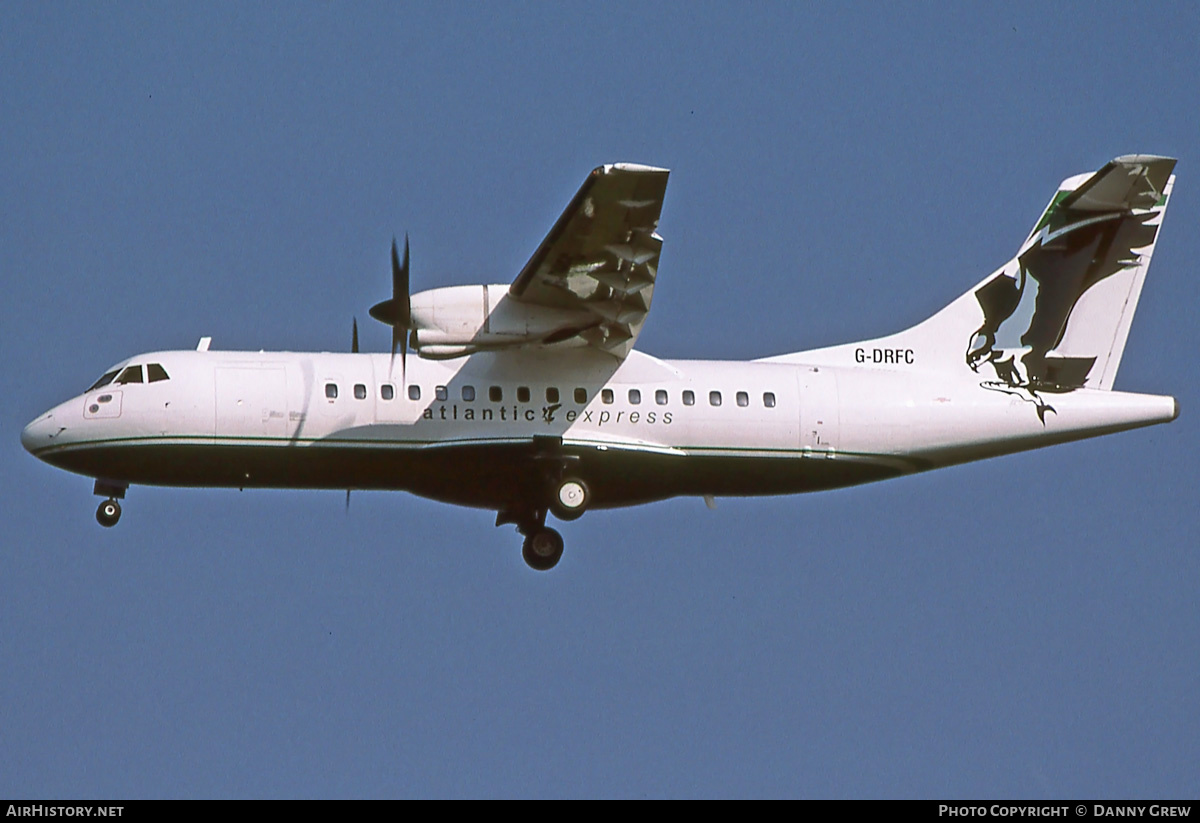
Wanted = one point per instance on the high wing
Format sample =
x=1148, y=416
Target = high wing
x=602, y=255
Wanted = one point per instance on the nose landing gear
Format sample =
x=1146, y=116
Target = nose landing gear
x=110, y=510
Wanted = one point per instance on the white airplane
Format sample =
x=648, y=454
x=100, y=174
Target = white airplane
x=531, y=398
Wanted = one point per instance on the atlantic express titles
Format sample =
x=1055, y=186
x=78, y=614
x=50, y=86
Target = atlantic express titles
x=547, y=414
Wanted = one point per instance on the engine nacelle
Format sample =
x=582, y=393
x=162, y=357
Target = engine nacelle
x=459, y=320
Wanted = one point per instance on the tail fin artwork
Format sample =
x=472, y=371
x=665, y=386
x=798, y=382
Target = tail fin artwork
x=1056, y=316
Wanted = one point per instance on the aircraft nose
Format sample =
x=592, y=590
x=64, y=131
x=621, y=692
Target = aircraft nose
x=38, y=433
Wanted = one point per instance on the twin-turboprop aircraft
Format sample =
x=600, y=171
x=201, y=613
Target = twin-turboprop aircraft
x=530, y=398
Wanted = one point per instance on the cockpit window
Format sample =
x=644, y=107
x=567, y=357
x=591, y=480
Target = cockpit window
x=155, y=373
x=104, y=380
x=130, y=374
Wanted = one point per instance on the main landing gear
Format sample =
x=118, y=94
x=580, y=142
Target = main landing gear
x=555, y=486
x=110, y=510
x=568, y=498
x=543, y=546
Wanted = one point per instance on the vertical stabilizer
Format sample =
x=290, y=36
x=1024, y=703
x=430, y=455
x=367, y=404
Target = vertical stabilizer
x=1056, y=316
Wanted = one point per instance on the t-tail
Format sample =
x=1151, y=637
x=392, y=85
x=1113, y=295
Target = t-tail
x=1056, y=316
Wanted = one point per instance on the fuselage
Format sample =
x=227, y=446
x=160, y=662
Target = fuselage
x=475, y=431
x=532, y=399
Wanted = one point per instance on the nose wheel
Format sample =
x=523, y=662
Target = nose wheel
x=110, y=510
x=109, y=513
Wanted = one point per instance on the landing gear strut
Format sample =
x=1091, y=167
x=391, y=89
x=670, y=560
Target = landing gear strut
x=109, y=513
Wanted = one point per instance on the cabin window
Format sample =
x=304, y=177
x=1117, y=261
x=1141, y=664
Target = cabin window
x=769, y=399
x=130, y=374
x=331, y=391
x=606, y=395
x=743, y=399
x=552, y=395
x=714, y=398
x=689, y=397
x=360, y=391
x=104, y=380
x=468, y=394
x=414, y=392
x=495, y=394
x=156, y=373
x=581, y=395
x=660, y=397
x=522, y=394
x=387, y=391
x=440, y=392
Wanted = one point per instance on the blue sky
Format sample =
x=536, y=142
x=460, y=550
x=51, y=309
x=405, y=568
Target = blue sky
x=1022, y=627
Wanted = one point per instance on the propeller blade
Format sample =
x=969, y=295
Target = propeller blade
x=401, y=291
x=354, y=338
x=347, y=501
x=401, y=307
x=397, y=310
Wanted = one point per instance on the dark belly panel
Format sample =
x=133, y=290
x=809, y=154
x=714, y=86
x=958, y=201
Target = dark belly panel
x=493, y=476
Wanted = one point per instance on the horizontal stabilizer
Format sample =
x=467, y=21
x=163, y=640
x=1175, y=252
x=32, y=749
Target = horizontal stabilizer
x=1134, y=181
